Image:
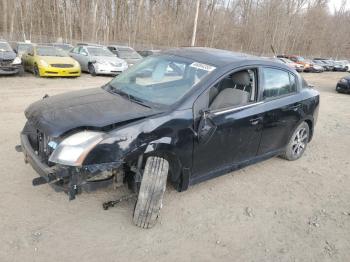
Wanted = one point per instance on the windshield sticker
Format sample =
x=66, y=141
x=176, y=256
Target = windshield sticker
x=203, y=66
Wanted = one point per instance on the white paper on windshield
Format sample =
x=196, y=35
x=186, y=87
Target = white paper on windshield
x=205, y=67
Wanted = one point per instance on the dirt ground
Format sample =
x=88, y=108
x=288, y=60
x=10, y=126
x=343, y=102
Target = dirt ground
x=272, y=211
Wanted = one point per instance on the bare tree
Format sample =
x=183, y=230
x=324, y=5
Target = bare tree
x=306, y=27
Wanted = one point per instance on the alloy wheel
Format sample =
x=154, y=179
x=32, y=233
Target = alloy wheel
x=299, y=142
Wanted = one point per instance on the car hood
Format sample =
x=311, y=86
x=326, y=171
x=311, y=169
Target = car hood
x=87, y=108
x=9, y=55
x=57, y=59
x=113, y=59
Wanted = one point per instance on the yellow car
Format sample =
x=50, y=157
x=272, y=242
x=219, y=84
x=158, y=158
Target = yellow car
x=49, y=61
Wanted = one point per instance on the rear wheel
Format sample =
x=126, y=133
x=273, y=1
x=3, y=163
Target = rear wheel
x=92, y=70
x=298, y=142
x=151, y=192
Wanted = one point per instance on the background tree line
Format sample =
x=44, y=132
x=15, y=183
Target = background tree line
x=306, y=27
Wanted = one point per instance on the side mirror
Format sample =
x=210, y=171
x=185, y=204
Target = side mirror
x=206, y=126
x=84, y=53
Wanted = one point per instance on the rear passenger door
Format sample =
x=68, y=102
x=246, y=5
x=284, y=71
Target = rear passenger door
x=280, y=94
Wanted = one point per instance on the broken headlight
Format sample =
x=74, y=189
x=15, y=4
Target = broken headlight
x=73, y=150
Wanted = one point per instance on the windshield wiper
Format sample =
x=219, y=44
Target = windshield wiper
x=131, y=98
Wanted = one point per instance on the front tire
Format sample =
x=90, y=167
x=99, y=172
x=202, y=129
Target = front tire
x=151, y=192
x=92, y=70
x=36, y=71
x=297, y=143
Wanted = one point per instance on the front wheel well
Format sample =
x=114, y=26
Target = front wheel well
x=133, y=165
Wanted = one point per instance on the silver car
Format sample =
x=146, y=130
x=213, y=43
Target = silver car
x=98, y=60
x=125, y=52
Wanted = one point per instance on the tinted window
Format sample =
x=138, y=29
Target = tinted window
x=278, y=83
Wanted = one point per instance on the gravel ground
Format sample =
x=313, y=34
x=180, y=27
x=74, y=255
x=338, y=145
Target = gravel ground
x=272, y=211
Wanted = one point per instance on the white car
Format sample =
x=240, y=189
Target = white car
x=98, y=60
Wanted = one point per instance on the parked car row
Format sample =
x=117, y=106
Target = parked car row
x=63, y=59
x=66, y=60
x=316, y=65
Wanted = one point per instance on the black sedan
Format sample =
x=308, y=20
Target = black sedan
x=343, y=86
x=186, y=115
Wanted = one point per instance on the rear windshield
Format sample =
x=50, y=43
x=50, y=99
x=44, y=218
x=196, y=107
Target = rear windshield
x=23, y=47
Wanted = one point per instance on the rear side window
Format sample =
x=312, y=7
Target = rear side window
x=278, y=83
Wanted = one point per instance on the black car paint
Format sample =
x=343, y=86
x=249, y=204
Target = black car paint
x=343, y=87
x=240, y=136
x=90, y=108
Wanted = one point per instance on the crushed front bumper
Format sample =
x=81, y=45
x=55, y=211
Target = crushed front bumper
x=71, y=180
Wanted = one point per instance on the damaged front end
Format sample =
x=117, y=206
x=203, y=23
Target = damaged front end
x=65, y=164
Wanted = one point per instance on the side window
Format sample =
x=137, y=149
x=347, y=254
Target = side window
x=113, y=50
x=76, y=50
x=30, y=51
x=293, y=83
x=236, y=89
x=83, y=51
x=278, y=83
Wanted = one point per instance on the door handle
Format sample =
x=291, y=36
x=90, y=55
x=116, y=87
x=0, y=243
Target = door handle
x=255, y=121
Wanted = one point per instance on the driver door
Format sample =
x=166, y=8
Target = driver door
x=229, y=132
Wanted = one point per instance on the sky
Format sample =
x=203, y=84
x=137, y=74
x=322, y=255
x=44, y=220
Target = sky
x=337, y=4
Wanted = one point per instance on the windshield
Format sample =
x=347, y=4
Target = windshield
x=64, y=47
x=5, y=47
x=23, y=47
x=127, y=53
x=300, y=58
x=286, y=60
x=99, y=51
x=49, y=51
x=161, y=80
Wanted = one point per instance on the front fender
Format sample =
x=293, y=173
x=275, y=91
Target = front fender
x=169, y=135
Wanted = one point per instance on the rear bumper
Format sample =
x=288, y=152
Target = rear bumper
x=10, y=70
x=71, y=180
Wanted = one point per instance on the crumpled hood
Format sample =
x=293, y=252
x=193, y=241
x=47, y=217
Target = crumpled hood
x=7, y=55
x=86, y=108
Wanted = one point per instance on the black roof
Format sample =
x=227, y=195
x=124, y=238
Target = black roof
x=217, y=57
